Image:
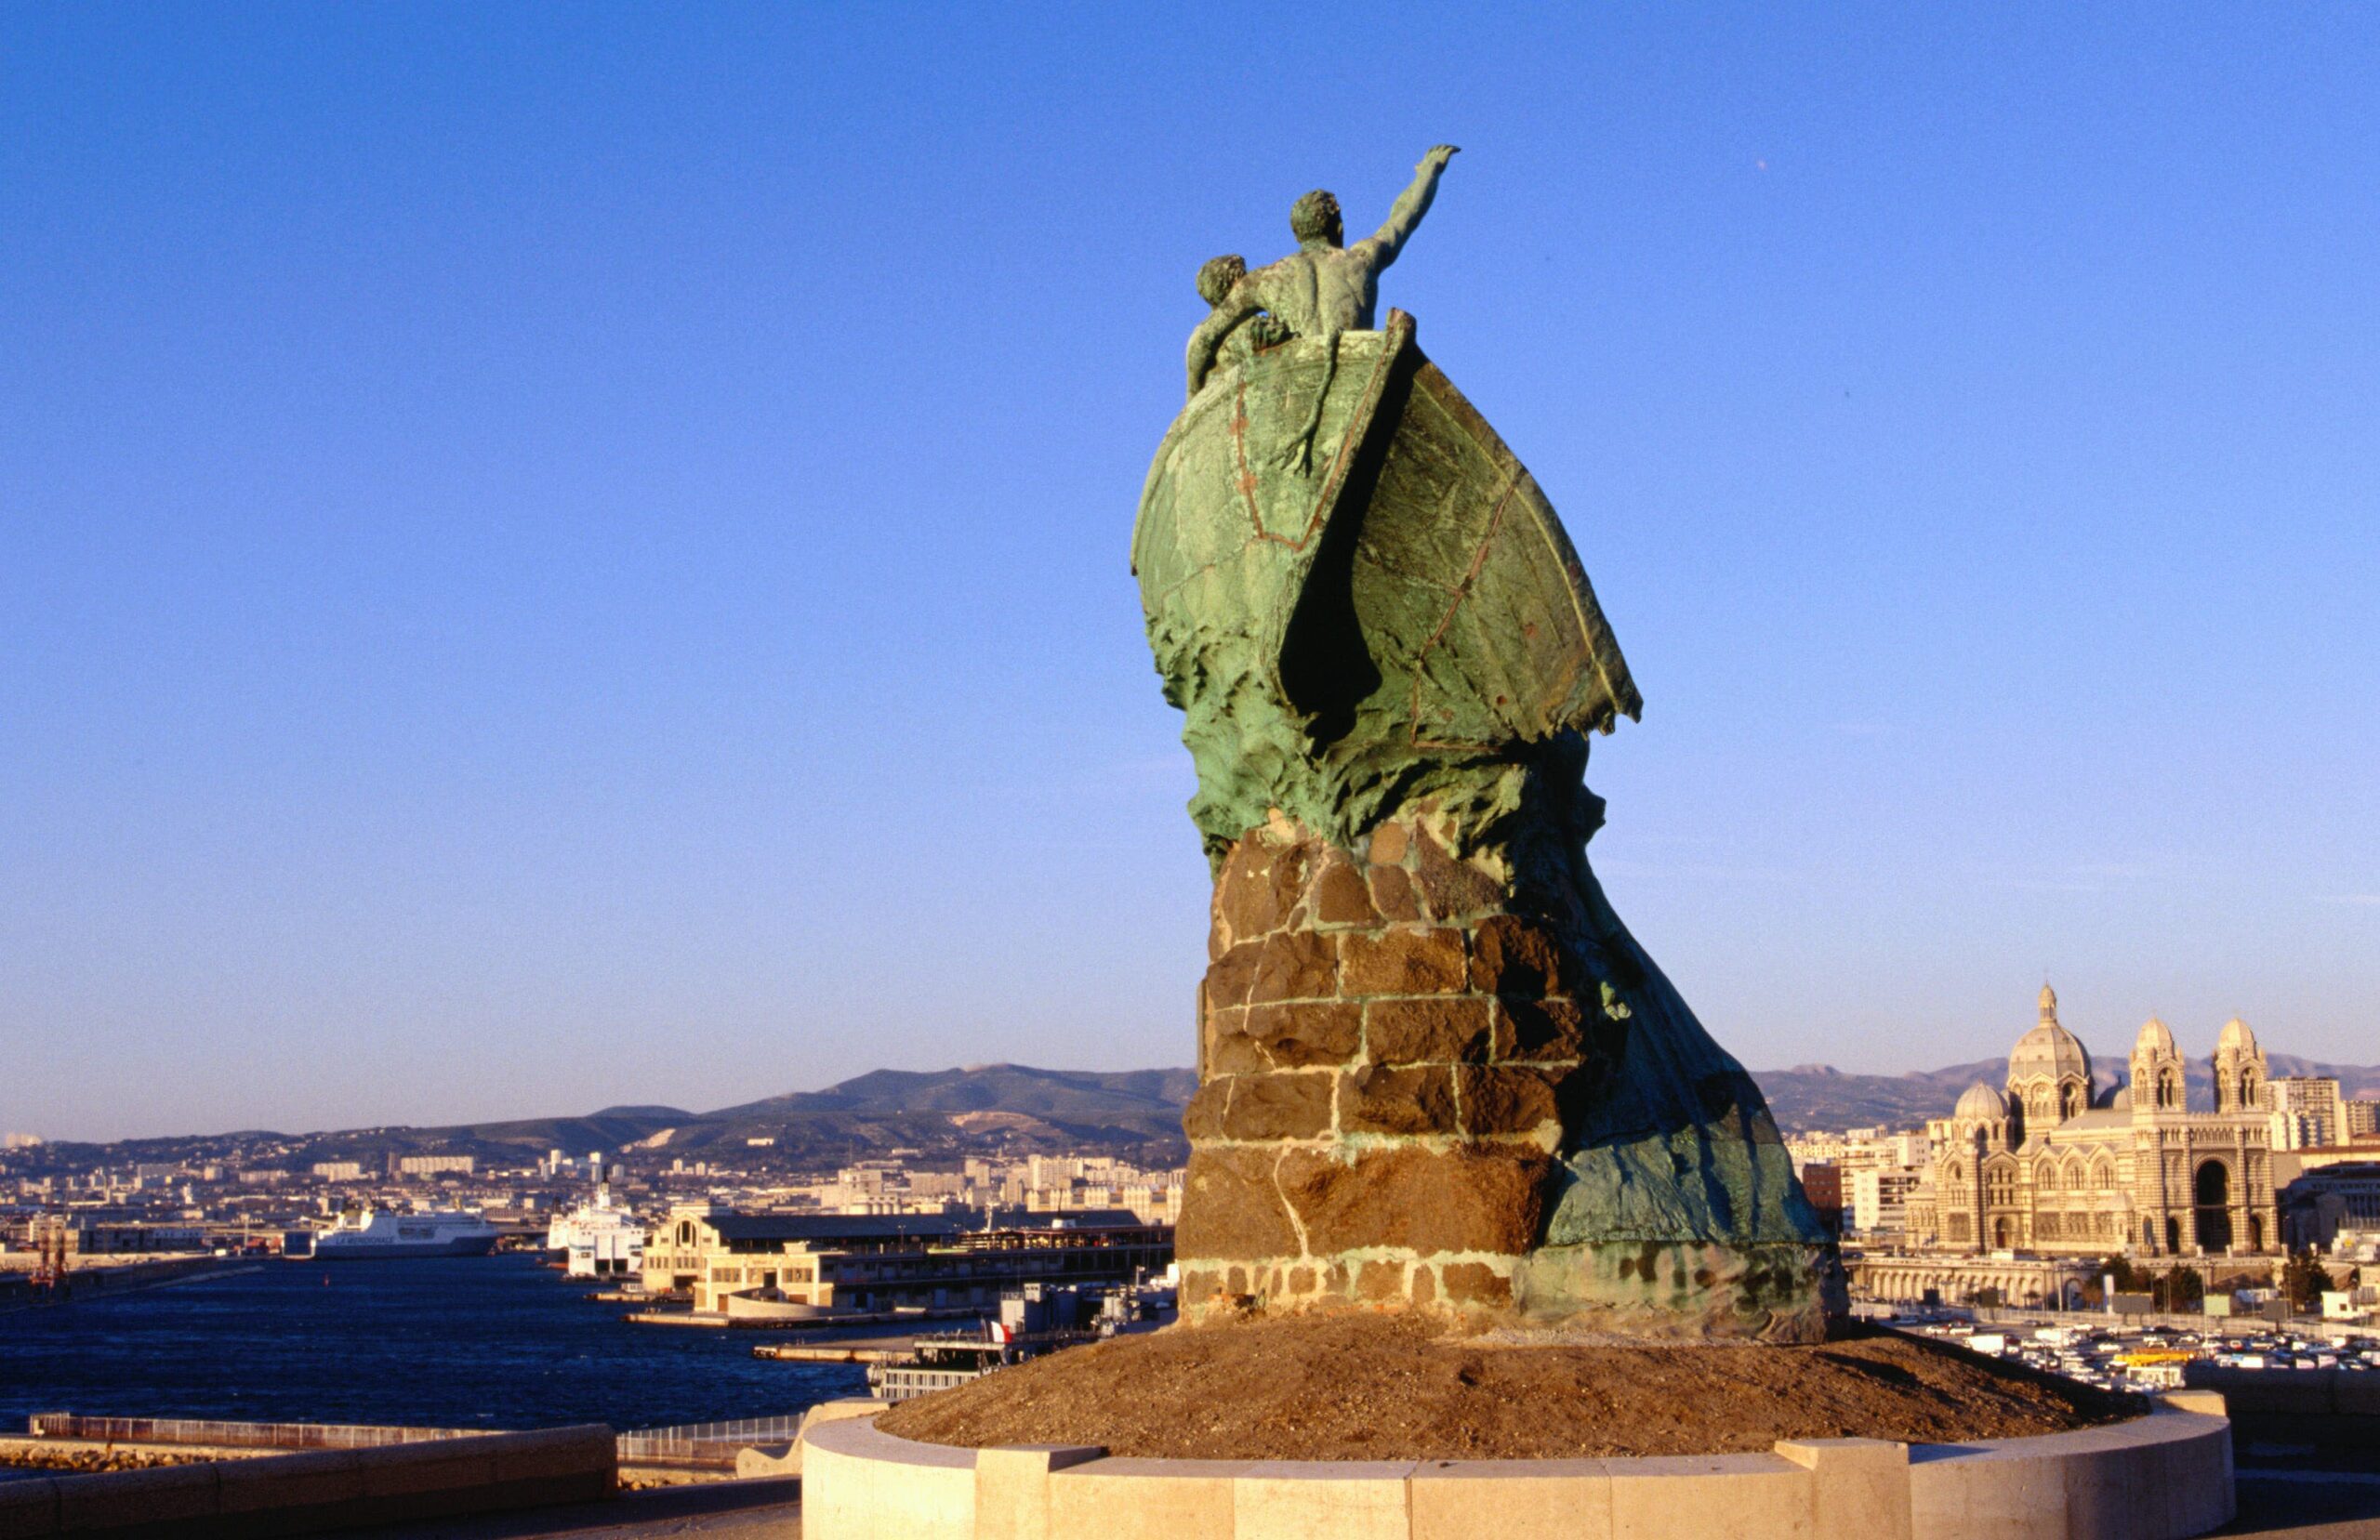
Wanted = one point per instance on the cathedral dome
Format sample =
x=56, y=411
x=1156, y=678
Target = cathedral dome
x=2154, y=1038
x=2049, y=1050
x=1981, y=1101
x=2236, y=1035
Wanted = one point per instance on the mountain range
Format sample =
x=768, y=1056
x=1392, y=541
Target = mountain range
x=1014, y=1109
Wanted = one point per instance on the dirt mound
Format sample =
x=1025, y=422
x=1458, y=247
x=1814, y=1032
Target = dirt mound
x=1374, y=1388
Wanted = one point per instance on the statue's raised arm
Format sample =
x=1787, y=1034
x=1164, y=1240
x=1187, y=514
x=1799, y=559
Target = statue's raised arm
x=1405, y=215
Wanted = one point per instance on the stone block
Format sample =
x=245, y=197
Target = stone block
x=1474, y=1285
x=158, y=1497
x=1294, y=1105
x=411, y=1471
x=2352, y=1395
x=1540, y=1031
x=1411, y=1199
x=1703, y=1497
x=1448, y=1028
x=1130, y=1499
x=1305, y=1500
x=860, y=1484
x=2188, y=1465
x=1389, y=844
x=2207, y=1403
x=1203, y=1118
x=1511, y=956
x=1393, y=895
x=1258, y=887
x=1453, y=889
x=1229, y=1048
x=1296, y=965
x=29, y=1508
x=1310, y=1032
x=1229, y=976
x=1340, y=894
x=762, y=1462
x=1971, y=1491
x=590, y=1451
x=318, y=1479
x=1378, y=1280
x=1231, y=1208
x=1376, y=1099
x=1012, y=1487
x=2110, y=1486
x=1403, y=962
x=1506, y=1099
x=1858, y=1486
x=1511, y=1500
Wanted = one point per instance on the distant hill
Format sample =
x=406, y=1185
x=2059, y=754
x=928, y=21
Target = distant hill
x=1123, y=1100
x=1016, y=1110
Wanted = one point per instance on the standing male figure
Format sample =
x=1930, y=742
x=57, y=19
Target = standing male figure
x=1322, y=288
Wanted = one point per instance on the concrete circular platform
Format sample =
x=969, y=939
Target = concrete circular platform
x=2158, y=1478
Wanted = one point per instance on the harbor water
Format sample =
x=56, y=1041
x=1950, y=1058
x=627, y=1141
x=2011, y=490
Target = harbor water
x=496, y=1342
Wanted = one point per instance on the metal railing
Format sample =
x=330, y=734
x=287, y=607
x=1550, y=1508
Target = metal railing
x=707, y=1444
x=232, y=1435
x=712, y=1445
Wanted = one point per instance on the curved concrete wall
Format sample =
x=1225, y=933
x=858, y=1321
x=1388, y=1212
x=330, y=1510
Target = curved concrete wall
x=2160, y=1477
x=320, y=1491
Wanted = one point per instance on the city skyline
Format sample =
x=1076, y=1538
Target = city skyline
x=582, y=559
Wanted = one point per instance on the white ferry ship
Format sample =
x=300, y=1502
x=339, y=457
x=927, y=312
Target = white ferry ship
x=598, y=1240
x=369, y=1234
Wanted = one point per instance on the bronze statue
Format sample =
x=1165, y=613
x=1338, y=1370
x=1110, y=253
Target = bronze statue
x=1323, y=288
x=1437, y=1072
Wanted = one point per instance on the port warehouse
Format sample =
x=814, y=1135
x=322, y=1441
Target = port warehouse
x=837, y=1264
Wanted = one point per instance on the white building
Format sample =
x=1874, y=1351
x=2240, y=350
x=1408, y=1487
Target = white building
x=2307, y=1113
x=1879, y=1196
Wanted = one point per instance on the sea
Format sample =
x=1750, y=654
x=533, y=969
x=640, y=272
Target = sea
x=494, y=1342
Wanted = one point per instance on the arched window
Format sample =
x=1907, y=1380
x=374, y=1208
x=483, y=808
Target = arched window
x=2103, y=1177
x=2169, y=1090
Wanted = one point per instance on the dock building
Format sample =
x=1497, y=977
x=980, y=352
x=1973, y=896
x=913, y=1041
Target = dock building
x=850, y=1264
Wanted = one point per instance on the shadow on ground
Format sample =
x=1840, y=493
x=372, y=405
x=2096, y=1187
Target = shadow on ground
x=734, y=1510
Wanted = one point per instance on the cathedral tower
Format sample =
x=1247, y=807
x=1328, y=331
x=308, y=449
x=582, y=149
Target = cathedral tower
x=2157, y=1072
x=2240, y=1072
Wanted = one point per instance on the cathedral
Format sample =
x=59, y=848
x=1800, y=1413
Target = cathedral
x=2046, y=1166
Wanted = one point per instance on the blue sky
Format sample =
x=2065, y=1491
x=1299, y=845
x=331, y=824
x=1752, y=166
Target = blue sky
x=556, y=555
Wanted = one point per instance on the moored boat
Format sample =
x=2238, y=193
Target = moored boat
x=369, y=1234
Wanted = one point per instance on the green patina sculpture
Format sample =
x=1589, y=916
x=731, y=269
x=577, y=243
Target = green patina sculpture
x=1381, y=636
